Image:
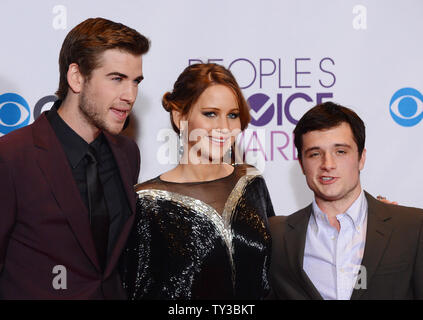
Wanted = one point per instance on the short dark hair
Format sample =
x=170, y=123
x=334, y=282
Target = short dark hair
x=88, y=40
x=326, y=116
x=193, y=81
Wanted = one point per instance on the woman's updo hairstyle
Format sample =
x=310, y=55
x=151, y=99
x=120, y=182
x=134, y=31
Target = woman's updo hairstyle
x=191, y=84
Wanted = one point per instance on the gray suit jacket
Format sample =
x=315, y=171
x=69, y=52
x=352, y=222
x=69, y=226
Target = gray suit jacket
x=393, y=254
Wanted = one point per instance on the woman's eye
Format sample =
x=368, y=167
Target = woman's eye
x=233, y=115
x=209, y=114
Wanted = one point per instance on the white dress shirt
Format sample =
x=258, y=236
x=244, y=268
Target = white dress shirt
x=332, y=260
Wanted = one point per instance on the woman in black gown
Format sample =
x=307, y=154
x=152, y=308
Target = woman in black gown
x=200, y=230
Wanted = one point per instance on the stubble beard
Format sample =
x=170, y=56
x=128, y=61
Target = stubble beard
x=92, y=116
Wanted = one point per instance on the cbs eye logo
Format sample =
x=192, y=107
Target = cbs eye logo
x=14, y=112
x=406, y=107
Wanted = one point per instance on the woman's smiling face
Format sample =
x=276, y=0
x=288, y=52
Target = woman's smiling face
x=213, y=124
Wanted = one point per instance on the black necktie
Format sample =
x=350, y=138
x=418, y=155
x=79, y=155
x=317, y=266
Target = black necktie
x=99, y=217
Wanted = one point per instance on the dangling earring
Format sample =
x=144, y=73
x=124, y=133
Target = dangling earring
x=235, y=155
x=232, y=150
x=183, y=142
x=229, y=156
x=180, y=145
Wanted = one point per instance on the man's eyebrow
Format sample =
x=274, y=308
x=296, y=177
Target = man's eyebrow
x=117, y=74
x=311, y=149
x=122, y=75
x=342, y=145
x=336, y=146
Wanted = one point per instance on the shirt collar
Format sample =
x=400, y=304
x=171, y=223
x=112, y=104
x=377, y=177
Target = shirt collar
x=357, y=212
x=74, y=146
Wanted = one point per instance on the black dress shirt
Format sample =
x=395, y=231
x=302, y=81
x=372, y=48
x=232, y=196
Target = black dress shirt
x=75, y=149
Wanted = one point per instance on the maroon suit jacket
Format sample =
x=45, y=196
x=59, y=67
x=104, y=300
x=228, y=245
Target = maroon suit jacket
x=44, y=222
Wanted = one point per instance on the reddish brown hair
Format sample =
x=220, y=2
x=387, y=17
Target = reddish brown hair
x=88, y=40
x=191, y=84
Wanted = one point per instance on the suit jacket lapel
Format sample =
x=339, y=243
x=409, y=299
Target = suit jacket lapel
x=128, y=183
x=53, y=163
x=379, y=230
x=295, y=244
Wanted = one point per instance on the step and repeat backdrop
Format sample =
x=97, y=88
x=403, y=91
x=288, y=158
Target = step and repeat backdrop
x=286, y=55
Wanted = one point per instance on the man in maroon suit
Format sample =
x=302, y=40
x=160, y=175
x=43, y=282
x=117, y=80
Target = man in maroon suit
x=66, y=187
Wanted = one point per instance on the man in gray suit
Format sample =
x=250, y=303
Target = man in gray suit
x=346, y=244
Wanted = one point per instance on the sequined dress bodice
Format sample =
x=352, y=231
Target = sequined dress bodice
x=206, y=240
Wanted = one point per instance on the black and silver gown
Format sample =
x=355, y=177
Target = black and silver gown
x=201, y=240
